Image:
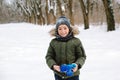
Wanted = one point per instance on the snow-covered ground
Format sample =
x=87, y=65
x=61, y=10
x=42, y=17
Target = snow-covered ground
x=23, y=48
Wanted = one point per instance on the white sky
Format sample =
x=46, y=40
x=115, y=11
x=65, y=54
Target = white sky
x=9, y=1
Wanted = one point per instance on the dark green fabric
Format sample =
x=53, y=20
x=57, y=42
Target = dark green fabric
x=67, y=52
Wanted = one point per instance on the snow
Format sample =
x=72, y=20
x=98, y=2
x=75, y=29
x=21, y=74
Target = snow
x=23, y=48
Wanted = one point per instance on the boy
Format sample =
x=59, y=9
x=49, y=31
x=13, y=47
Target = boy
x=65, y=48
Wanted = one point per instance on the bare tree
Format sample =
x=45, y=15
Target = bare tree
x=70, y=11
x=47, y=13
x=40, y=18
x=9, y=13
x=59, y=8
x=85, y=10
x=52, y=11
x=109, y=15
x=33, y=10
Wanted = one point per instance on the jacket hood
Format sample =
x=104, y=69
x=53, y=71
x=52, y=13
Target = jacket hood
x=75, y=31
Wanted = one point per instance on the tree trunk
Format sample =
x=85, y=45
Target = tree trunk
x=41, y=18
x=59, y=8
x=47, y=14
x=109, y=15
x=52, y=12
x=70, y=12
x=85, y=13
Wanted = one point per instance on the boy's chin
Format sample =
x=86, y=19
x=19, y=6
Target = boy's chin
x=63, y=36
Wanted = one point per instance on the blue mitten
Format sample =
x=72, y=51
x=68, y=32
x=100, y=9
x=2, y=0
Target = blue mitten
x=67, y=69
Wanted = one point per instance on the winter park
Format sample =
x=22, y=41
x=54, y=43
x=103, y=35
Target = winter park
x=24, y=40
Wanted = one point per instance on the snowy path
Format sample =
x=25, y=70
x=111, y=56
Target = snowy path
x=23, y=48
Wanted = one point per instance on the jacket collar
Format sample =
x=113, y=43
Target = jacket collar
x=64, y=39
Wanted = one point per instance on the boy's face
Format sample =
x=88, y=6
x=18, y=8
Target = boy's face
x=63, y=30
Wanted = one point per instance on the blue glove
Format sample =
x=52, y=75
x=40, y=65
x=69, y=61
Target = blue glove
x=67, y=69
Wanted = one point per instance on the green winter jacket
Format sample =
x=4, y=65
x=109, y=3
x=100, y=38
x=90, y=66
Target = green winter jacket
x=68, y=52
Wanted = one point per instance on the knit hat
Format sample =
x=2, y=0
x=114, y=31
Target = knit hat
x=62, y=20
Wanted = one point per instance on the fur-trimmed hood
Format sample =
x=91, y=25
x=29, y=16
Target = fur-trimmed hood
x=75, y=31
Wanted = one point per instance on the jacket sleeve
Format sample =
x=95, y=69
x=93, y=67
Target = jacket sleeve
x=50, y=56
x=80, y=54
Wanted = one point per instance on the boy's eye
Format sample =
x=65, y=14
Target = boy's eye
x=59, y=29
x=65, y=28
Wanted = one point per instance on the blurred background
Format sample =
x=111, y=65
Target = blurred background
x=42, y=12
